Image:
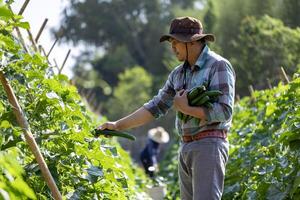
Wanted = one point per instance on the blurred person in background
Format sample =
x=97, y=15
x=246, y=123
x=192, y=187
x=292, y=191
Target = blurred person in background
x=149, y=155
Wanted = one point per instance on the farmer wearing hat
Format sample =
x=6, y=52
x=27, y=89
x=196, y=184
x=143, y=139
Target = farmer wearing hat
x=156, y=136
x=203, y=152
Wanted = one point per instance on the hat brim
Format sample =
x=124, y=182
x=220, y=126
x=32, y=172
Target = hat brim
x=188, y=38
x=163, y=138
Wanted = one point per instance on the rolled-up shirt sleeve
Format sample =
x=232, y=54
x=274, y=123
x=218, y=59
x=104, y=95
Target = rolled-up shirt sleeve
x=163, y=101
x=223, y=79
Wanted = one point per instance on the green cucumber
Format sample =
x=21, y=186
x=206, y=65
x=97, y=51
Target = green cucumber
x=195, y=100
x=213, y=93
x=195, y=92
x=202, y=101
x=208, y=105
x=107, y=132
x=185, y=118
x=180, y=115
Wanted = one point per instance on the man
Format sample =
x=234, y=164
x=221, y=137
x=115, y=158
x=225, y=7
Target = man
x=203, y=153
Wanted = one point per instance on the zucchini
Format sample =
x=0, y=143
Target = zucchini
x=201, y=101
x=208, y=105
x=107, y=132
x=195, y=100
x=187, y=118
x=213, y=93
x=195, y=92
x=180, y=115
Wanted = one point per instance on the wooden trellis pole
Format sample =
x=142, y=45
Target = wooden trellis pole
x=23, y=7
x=48, y=54
x=18, y=30
x=42, y=50
x=65, y=60
x=29, y=137
x=251, y=90
x=28, y=31
x=41, y=30
x=238, y=98
x=32, y=40
x=269, y=83
x=284, y=75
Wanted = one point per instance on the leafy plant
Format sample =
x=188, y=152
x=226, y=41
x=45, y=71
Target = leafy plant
x=83, y=167
x=264, y=148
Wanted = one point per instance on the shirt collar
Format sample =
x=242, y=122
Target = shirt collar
x=202, y=58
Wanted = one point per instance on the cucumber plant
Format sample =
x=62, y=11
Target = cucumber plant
x=83, y=167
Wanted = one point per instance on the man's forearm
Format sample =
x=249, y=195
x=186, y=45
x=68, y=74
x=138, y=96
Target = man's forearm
x=194, y=111
x=135, y=119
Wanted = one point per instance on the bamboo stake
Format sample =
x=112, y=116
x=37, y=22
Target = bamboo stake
x=66, y=58
x=21, y=39
x=284, y=75
x=44, y=52
x=41, y=30
x=32, y=40
x=23, y=7
x=28, y=31
x=238, y=98
x=269, y=83
x=29, y=137
x=88, y=94
x=98, y=109
x=91, y=99
x=18, y=30
x=251, y=90
x=52, y=47
x=55, y=64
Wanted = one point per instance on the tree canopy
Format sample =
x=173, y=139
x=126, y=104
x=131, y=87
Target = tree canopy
x=257, y=36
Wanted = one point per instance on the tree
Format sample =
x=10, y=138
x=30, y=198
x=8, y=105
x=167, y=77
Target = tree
x=132, y=91
x=210, y=17
x=135, y=24
x=289, y=13
x=263, y=46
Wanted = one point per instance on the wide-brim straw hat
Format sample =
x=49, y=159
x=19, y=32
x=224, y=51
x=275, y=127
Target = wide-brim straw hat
x=187, y=29
x=159, y=135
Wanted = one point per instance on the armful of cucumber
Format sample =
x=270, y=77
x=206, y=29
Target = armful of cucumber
x=107, y=132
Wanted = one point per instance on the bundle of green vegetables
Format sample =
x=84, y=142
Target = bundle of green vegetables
x=199, y=96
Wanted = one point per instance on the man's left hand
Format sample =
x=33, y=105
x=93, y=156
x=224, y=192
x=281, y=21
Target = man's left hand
x=181, y=101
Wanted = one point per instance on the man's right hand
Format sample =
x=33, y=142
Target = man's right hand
x=108, y=125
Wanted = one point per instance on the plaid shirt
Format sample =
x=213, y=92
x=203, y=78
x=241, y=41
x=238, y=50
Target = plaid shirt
x=211, y=68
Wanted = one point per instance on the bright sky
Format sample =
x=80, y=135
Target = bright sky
x=35, y=13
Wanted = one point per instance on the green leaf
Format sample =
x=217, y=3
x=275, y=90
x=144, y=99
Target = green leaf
x=5, y=124
x=3, y=193
x=95, y=171
x=24, y=25
x=274, y=193
x=114, y=151
x=5, y=12
x=52, y=95
x=1, y=107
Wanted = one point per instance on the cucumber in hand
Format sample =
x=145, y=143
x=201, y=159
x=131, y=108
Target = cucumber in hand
x=107, y=132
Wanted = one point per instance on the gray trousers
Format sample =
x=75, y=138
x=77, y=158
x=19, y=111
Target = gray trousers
x=202, y=168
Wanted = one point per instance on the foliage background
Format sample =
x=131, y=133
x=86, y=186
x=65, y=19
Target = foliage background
x=127, y=69
x=258, y=37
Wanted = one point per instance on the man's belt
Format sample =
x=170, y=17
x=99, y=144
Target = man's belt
x=205, y=134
